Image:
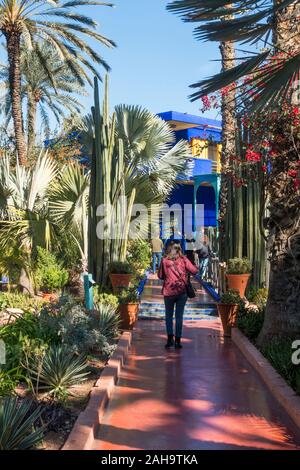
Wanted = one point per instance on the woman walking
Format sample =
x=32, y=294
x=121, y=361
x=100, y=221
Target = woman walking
x=174, y=270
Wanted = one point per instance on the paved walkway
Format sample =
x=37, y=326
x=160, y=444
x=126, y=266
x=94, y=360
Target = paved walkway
x=205, y=396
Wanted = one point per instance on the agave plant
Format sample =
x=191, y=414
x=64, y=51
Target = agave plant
x=56, y=371
x=18, y=425
x=109, y=320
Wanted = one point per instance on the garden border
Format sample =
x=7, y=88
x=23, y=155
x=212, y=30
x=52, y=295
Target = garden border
x=86, y=426
x=283, y=393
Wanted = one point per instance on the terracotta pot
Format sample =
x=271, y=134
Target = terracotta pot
x=238, y=282
x=228, y=314
x=49, y=296
x=119, y=280
x=128, y=314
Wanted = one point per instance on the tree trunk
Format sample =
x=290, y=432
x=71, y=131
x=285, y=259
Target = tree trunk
x=228, y=141
x=31, y=122
x=282, y=317
x=25, y=283
x=13, y=51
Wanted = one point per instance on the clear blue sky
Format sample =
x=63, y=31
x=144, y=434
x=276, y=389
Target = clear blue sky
x=157, y=57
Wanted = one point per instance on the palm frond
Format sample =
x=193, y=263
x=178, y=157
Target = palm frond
x=227, y=77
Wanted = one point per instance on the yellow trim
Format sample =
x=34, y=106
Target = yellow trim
x=219, y=166
x=199, y=148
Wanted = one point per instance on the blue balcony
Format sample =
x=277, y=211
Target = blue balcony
x=196, y=167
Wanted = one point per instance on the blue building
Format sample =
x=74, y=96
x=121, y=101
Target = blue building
x=201, y=182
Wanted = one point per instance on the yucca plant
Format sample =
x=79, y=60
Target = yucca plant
x=56, y=371
x=109, y=321
x=18, y=429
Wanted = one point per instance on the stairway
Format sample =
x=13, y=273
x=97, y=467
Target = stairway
x=152, y=307
x=193, y=311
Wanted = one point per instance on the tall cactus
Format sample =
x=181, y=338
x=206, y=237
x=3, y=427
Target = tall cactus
x=107, y=191
x=242, y=224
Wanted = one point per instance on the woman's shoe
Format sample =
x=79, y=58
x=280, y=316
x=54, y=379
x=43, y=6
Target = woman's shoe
x=170, y=341
x=178, y=344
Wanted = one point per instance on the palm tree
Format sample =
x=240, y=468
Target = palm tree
x=152, y=161
x=256, y=21
x=139, y=161
x=38, y=90
x=68, y=203
x=192, y=11
x=25, y=221
x=36, y=21
x=250, y=22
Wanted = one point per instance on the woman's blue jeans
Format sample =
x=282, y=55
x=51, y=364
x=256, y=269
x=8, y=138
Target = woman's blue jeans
x=177, y=301
x=156, y=259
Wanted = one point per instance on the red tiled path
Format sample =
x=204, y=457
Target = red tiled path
x=206, y=396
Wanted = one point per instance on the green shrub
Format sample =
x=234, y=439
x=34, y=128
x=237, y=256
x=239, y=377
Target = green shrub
x=17, y=336
x=55, y=371
x=260, y=298
x=250, y=322
x=139, y=255
x=279, y=353
x=72, y=326
x=8, y=382
x=25, y=326
x=49, y=274
x=231, y=297
x=129, y=296
x=109, y=321
x=121, y=267
x=239, y=266
x=22, y=301
x=105, y=299
x=17, y=425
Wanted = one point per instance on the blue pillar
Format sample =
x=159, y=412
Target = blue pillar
x=88, y=291
x=214, y=180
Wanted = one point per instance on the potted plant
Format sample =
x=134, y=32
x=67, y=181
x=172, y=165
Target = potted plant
x=50, y=276
x=228, y=308
x=238, y=274
x=128, y=309
x=120, y=274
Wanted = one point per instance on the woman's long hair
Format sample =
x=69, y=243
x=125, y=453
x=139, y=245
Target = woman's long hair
x=174, y=247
